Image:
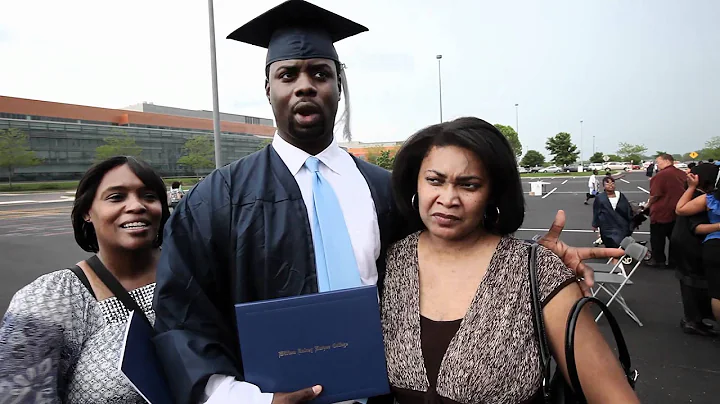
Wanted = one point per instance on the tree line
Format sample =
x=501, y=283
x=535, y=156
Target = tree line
x=199, y=152
x=564, y=152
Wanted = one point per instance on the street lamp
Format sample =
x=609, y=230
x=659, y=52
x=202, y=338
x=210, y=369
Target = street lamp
x=517, y=121
x=213, y=68
x=438, y=57
x=581, y=143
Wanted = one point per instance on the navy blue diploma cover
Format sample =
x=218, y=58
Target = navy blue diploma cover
x=139, y=363
x=333, y=339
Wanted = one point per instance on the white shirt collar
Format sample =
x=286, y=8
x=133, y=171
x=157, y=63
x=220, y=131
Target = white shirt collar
x=294, y=158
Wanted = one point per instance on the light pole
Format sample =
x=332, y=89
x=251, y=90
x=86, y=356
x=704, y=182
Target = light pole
x=593, y=145
x=581, y=144
x=213, y=68
x=517, y=121
x=438, y=57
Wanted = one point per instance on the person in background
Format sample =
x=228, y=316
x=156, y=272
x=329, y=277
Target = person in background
x=61, y=337
x=691, y=270
x=612, y=214
x=666, y=188
x=710, y=203
x=456, y=312
x=593, y=186
x=175, y=194
x=650, y=169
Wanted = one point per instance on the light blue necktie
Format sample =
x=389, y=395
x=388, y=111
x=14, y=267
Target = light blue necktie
x=334, y=256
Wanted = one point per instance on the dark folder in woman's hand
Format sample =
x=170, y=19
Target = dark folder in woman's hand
x=333, y=339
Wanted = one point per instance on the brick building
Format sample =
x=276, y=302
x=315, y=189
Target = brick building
x=65, y=136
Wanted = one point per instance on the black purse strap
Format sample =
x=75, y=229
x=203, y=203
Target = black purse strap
x=83, y=279
x=539, y=321
x=544, y=347
x=115, y=287
x=624, y=354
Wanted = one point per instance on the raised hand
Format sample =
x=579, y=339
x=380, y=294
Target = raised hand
x=573, y=257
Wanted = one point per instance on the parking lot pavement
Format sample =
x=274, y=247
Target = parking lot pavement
x=34, y=239
x=635, y=185
x=9, y=199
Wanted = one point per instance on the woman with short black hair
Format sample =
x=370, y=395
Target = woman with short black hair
x=456, y=307
x=613, y=214
x=61, y=337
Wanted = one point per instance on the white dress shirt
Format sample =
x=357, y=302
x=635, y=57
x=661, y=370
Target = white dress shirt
x=614, y=200
x=358, y=208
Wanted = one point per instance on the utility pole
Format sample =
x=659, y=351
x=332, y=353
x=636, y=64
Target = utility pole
x=213, y=68
x=438, y=57
x=581, y=143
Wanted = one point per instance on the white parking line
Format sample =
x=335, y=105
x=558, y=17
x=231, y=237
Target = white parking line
x=564, y=182
x=583, y=192
x=578, y=231
x=625, y=181
x=25, y=202
x=644, y=190
x=548, y=194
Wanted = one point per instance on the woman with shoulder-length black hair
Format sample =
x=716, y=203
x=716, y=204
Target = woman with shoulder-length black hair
x=456, y=312
x=612, y=214
x=494, y=151
x=61, y=337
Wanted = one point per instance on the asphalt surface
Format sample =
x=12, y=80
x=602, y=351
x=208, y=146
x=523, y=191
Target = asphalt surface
x=36, y=238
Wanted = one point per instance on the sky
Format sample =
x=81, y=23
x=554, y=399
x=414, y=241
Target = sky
x=638, y=71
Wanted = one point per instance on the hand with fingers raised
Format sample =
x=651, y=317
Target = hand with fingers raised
x=573, y=257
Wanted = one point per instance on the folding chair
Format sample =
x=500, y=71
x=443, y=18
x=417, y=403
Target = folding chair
x=612, y=283
x=610, y=268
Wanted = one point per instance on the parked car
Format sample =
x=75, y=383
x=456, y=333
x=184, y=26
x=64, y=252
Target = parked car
x=612, y=165
x=573, y=168
x=522, y=170
x=551, y=169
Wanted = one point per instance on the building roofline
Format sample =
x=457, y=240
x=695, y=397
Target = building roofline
x=123, y=117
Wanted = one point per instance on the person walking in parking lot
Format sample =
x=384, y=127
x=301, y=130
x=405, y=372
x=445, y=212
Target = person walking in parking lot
x=592, y=187
x=666, y=188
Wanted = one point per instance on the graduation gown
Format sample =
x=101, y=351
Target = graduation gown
x=615, y=224
x=241, y=235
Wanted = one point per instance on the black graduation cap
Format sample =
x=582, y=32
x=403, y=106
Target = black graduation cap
x=297, y=29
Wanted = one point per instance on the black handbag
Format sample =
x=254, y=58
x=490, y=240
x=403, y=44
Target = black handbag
x=555, y=389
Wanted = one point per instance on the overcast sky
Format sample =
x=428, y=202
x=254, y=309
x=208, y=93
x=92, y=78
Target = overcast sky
x=638, y=71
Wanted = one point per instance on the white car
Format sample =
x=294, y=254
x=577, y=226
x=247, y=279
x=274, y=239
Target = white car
x=522, y=170
x=616, y=166
x=551, y=169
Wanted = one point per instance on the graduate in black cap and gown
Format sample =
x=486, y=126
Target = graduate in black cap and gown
x=246, y=232
x=297, y=217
